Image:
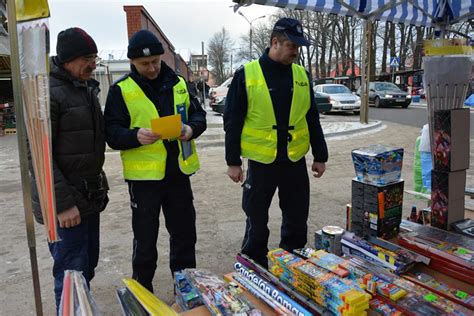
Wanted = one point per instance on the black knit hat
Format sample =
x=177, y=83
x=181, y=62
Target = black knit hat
x=144, y=43
x=72, y=43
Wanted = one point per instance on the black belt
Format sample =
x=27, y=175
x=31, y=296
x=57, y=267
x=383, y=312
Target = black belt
x=285, y=129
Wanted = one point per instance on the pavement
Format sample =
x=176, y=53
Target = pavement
x=333, y=125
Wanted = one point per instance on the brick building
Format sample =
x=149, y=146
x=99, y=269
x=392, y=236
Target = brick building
x=137, y=19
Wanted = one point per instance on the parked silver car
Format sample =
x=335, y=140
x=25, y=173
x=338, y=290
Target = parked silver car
x=387, y=94
x=340, y=97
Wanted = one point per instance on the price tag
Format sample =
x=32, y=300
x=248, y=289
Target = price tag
x=430, y=297
x=462, y=251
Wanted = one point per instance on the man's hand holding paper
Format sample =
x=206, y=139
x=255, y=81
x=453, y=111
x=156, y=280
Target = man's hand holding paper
x=186, y=133
x=146, y=136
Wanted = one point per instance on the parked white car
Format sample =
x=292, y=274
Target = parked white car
x=218, y=94
x=340, y=97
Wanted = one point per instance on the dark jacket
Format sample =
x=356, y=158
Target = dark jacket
x=279, y=80
x=160, y=92
x=78, y=145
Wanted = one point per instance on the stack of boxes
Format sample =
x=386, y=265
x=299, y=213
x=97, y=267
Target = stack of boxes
x=450, y=150
x=377, y=191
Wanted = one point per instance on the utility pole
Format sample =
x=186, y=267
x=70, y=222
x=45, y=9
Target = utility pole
x=204, y=65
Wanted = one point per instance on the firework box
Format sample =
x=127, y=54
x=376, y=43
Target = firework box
x=449, y=253
x=376, y=209
x=451, y=140
x=378, y=164
x=447, y=198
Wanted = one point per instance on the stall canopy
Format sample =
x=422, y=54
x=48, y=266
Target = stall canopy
x=429, y=13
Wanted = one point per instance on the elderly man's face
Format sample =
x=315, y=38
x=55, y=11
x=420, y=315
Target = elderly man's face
x=148, y=67
x=82, y=67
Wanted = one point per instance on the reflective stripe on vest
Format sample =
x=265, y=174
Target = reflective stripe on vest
x=259, y=134
x=148, y=162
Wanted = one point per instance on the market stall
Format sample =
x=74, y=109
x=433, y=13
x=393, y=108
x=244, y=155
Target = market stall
x=374, y=277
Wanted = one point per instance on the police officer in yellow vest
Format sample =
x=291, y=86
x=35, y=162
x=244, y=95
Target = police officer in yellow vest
x=157, y=170
x=271, y=119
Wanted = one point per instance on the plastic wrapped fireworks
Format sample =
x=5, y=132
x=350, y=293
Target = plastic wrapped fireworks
x=76, y=298
x=187, y=296
x=339, y=295
x=378, y=164
x=219, y=297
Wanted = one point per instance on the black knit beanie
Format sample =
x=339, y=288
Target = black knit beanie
x=144, y=43
x=72, y=43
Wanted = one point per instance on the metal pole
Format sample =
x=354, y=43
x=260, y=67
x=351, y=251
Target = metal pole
x=23, y=152
x=251, y=41
x=365, y=72
x=203, y=81
x=310, y=71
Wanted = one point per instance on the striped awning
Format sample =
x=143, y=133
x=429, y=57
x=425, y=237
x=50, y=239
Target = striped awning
x=436, y=13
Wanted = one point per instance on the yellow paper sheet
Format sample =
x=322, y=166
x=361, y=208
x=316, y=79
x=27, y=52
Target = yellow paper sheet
x=167, y=127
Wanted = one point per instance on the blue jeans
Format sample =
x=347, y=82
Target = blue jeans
x=77, y=250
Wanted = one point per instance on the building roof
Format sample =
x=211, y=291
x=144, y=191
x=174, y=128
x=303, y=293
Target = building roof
x=113, y=54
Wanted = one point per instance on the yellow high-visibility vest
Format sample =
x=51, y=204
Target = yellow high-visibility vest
x=148, y=162
x=259, y=134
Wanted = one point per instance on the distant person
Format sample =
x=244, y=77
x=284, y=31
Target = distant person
x=200, y=87
x=192, y=88
x=78, y=146
x=157, y=170
x=271, y=118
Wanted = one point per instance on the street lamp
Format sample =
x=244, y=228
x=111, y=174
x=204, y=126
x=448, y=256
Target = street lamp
x=250, y=23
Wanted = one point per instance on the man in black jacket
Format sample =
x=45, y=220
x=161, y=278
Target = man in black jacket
x=78, y=145
x=271, y=118
x=157, y=170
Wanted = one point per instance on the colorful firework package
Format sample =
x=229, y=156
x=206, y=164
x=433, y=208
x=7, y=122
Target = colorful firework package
x=450, y=253
x=378, y=164
x=219, y=297
x=451, y=140
x=376, y=209
x=447, y=198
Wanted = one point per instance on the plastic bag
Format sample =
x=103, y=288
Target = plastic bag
x=76, y=298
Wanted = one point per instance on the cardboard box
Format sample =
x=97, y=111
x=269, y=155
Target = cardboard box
x=447, y=198
x=376, y=209
x=451, y=140
x=378, y=164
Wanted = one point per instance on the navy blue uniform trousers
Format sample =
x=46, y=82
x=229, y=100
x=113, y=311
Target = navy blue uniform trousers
x=175, y=197
x=262, y=180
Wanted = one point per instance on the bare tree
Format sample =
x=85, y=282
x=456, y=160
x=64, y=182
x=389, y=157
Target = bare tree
x=260, y=40
x=218, y=50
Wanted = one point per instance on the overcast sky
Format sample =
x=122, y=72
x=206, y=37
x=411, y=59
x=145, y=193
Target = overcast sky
x=186, y=23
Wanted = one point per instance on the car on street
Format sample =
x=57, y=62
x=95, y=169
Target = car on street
x=322, y=103
x=340, y=97
x=387, y=94
x=217, y=96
